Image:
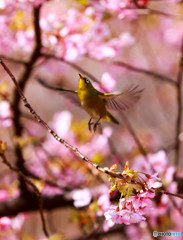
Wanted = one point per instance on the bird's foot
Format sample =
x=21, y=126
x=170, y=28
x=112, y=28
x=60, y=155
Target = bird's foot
x=95, y=126
x=89, y=126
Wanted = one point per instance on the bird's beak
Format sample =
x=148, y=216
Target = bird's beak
x=80, y=75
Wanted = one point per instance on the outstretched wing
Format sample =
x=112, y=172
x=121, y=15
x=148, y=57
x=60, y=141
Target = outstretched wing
x=70, y=94
x=123, y=100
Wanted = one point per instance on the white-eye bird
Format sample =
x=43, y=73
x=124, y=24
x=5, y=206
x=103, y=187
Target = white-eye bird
x=96, y=103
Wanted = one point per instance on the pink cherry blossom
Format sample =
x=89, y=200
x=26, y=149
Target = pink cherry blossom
x=51, y=191
x=2, y=4
x=133, y=232
x=141, y=203
x=98, y=144
x=141, y=164
x=169, y=174
x=5, y=114
x=102, y=51
x=107, y=225
x=81, y=197
x=108, y=82
x=3, y=195
x=76, y=34
x=158, y=160
x=103, y=203
x=67, y=177
x=123, y=216
x=61, y=122
x=119, y=7
x=5, y=224
x=154, y=181
x=126, y=39
x=18, y=221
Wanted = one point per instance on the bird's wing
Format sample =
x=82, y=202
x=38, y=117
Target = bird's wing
x=122, y=101
x=70, y=94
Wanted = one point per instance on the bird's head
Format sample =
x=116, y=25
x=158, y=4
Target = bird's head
x=84, y=83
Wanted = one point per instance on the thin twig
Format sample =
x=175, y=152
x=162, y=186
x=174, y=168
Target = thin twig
x=179, y=104
x=165, y=14
x=171, y=194
x=134, y=135
x=13, y=60
x=36, y=190
x=48, y=182
x=157, y=12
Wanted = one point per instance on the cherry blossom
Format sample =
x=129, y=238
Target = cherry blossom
x=123, y=216
x=108, y=81
x=154, y=181
x=103, y=203
x=3, y=195
x=5, y=114
x=81, y=197
x=5, y=224
x=158, y=160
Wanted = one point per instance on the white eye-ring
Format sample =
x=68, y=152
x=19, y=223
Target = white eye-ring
x=86, y=80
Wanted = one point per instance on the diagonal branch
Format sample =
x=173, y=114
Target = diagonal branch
x=53, y=133
x=143, y=71
x=66, y=144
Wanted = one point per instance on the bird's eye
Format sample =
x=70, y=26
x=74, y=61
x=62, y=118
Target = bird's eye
x=86, y=80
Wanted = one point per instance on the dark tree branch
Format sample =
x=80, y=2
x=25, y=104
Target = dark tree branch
x=179, y=104
x=97, y=233
x=17, y=99
x=22, y=204
x=35, y=189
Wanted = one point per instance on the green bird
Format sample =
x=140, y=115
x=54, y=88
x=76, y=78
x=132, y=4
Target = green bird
x=96, y=103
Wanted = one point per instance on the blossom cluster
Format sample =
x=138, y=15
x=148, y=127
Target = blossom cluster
x=132, y=207
x=134, y=203
x=76, y=33
x=79, y=33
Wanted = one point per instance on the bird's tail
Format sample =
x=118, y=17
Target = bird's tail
x=113, y=119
